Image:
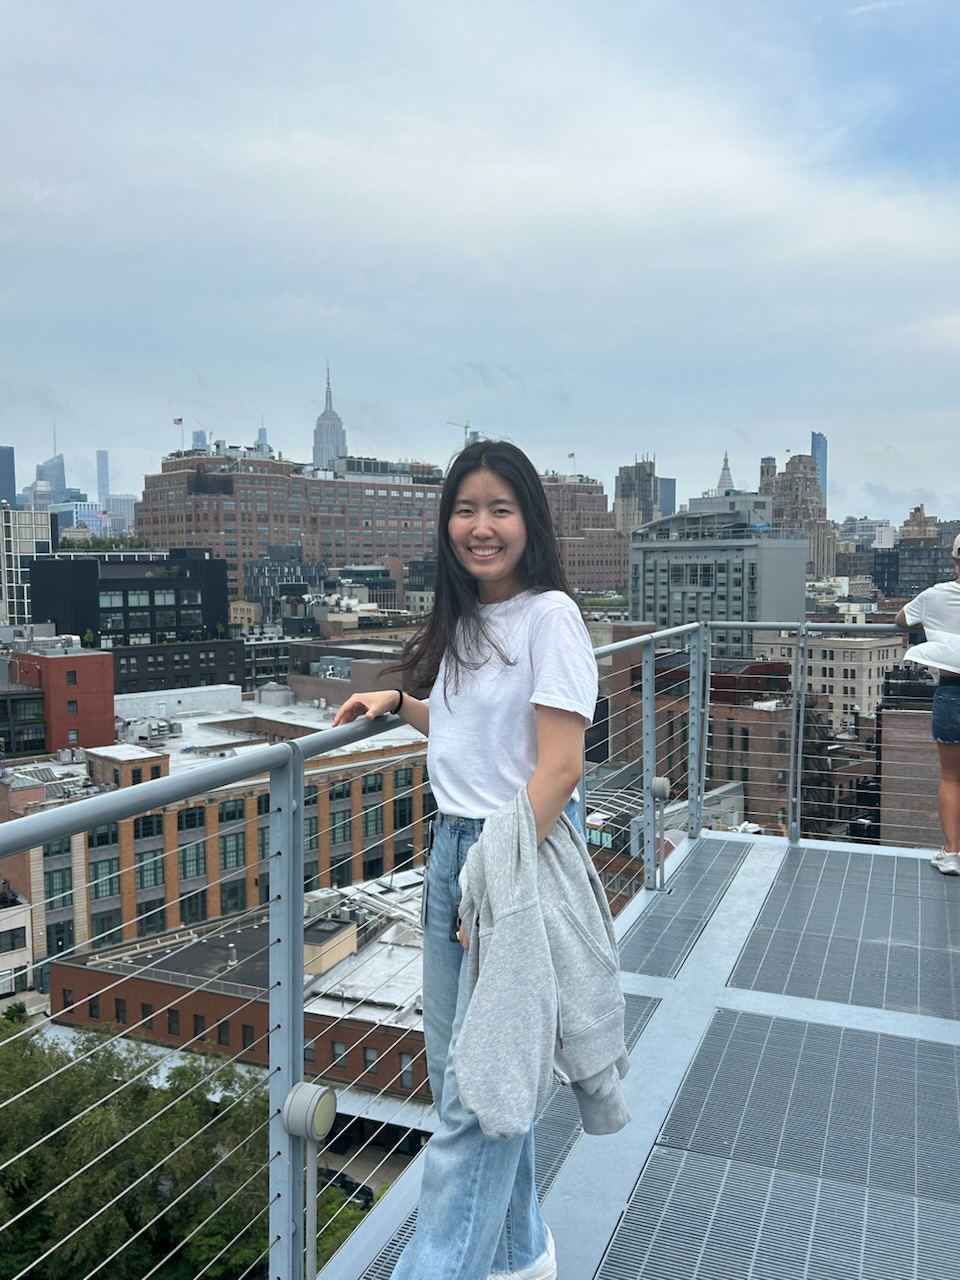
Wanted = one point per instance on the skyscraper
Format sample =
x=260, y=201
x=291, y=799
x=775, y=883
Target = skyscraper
x=103, y=478
x=329, y=437
x=55, y=474
x=8, y=475
x=818, y=451
x=640, y=495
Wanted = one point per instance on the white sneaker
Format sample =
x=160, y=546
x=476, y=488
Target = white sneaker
x=544, y=1267
x=938, y=857
x=949, y=865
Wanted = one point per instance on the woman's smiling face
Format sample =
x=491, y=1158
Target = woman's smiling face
x=488, y=534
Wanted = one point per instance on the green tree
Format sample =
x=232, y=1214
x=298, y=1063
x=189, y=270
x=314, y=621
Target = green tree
x=130, y=1172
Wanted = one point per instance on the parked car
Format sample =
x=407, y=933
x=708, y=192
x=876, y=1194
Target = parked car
x=350, y=1187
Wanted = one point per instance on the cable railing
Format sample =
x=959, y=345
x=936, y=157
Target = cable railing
x=334, y=997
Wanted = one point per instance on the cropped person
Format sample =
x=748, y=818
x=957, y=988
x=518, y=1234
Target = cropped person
x=513, y=684
x=937, y=610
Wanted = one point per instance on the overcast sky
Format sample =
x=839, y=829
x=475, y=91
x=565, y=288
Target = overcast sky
x=612, y=228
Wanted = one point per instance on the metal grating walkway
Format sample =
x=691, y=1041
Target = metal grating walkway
x=661, y=939
x=857, y=928
x=800, y=1150
x=696, y=1217
x=795, y=1085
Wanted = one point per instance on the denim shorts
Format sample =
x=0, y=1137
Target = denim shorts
x=945, y=722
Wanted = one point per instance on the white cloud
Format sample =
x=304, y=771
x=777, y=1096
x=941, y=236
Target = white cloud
x=876, y=5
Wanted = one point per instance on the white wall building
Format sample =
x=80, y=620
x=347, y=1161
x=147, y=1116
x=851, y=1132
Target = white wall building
x=22, y=534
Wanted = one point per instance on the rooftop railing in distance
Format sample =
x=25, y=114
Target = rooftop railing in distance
x=150, y=1152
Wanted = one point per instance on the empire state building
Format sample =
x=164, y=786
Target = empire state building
x=329, y=436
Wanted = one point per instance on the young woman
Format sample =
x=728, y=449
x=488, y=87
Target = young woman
x=513, y=684
x=937, y=610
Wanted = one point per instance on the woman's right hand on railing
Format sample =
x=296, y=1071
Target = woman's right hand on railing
x=380, y=702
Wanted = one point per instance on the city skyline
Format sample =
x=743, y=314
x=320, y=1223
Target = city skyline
x=612, y=230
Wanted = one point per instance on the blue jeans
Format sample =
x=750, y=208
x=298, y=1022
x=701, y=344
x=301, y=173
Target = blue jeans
x=478, y=1200
x=945, y=721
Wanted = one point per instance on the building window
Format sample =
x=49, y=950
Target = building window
x=107, y=927
x=406, y=1070
x=152, y=918
x=148, y=826
x=71, y=677
x=93, y=1007
x=120, y=1008
x=231, y=810
x=58, y=888
x=340, y=790
x=223, y=1032
x=146, y=1016
x=13, y=939
x=263, y=802
x=372, y=782
x=55, y=848
x=192, y=819
x=99, y=837
x=193, y=860
x=340, y=827
x=173, y=1022
x=67, y=993
x=233, y=896
x=232, y=851
x=338, y=1053
x=73, y=737
x=402, y=813
x=136, y=776
x=193, y=907
x=371, y=1059
x=71, y=706
x=199, y=1026
x=246, y=1035
x=148, y=868
x=105, y=878
x=373, y=821
x=403, y=777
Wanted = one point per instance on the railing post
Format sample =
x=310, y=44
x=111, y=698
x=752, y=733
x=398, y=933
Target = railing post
x=286, y=1014
x=699, y=695
x=648, y=705
x=798, y=706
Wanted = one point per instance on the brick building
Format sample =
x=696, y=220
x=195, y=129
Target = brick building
x=183, y=865
x=593, y=553
x=203, y=999
x=241, y=502
x=76, y=686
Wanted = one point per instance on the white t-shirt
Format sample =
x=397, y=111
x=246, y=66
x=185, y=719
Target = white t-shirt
x=938, y=610
x=482, y=745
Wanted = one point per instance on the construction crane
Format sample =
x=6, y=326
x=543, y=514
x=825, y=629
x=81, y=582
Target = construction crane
x=464, y=426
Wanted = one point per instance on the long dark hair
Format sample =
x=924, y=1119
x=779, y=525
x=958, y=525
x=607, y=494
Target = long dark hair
x=455, y=624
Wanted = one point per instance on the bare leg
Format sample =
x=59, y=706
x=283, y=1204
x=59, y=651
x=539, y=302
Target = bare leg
x=949, y=796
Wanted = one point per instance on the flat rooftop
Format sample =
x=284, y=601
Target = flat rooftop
x=792, y=1018
x=380, y=982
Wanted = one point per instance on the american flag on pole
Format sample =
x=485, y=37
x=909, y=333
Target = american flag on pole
x=178, y=422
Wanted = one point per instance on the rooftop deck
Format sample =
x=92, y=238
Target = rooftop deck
x=795, y=1081
x=792, y=1014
